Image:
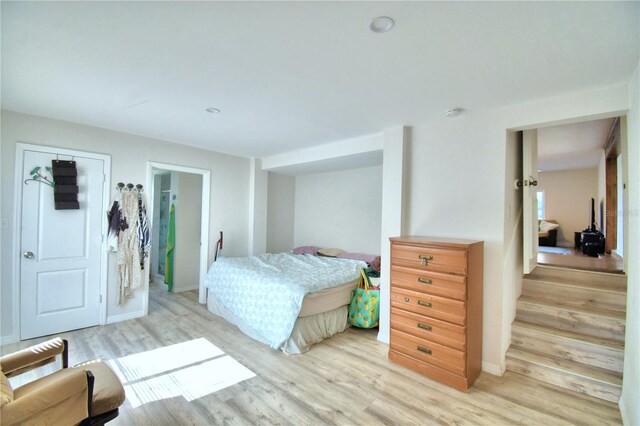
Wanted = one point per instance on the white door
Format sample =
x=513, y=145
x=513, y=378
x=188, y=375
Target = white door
x=61, y=251
x=530, y=201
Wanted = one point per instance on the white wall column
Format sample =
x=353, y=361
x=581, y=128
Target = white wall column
x=258, y=190
x=393, y=212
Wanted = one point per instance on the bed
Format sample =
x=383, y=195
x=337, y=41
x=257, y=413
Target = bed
x=288, y=301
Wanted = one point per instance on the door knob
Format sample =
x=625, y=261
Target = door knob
x=28, y=255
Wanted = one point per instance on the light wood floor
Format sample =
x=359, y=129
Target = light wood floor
x=344, y=380
x=611, y=263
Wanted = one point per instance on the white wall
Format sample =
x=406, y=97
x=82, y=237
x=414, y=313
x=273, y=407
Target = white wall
x=258, y=205
x=280, y=212
x=129, y=157
x=629, y=406
x=513, y=239
x=395, y=193
x=340, y=209
x=456, y=190
x=568, y=196
x=187, y=187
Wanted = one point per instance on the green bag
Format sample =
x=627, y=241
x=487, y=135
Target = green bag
x=364, y=309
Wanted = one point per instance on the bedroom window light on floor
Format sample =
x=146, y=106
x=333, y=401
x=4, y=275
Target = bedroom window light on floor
x=177, y=370
x=540, y=197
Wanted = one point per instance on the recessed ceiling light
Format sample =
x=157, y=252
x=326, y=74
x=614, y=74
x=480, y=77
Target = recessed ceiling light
x=453, y=112
x=381, y=24
x=213, y=110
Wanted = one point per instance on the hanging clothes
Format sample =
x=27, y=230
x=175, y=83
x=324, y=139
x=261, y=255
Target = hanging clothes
x=171, y=244
x=144, y=236
x=117, y=223
x=129, y=236
x=129, y=269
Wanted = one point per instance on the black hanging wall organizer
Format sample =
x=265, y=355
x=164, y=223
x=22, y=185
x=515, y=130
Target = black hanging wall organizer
x=65, y=192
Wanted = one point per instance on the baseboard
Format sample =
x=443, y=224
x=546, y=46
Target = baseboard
x=157, y=279
x=384, y=338
x=180, y=290
x=495, y=369
x=12, y=338
x=624, y=413
x=124, y=317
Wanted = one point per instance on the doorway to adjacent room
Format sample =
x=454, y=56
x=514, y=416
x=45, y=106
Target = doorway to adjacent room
x=575, y=192
x=179, y=212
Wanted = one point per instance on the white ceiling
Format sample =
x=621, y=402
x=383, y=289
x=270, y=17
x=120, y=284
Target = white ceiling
x=290, y=75
x=572, y=146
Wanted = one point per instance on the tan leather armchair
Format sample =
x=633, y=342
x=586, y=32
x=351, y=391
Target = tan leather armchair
x=89, y=393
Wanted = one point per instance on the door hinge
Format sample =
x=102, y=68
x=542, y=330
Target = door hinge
x=519, y=183
x=100, y=298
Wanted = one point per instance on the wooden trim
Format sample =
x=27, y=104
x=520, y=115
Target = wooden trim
x=474, y=312
x=612, y=143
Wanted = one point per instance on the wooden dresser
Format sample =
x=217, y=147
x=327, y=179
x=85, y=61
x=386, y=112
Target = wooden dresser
x=436, y=308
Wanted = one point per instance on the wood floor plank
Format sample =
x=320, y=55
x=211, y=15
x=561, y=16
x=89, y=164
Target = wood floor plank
x=345, y=380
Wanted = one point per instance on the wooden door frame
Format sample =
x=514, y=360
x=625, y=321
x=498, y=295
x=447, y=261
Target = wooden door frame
x=204, y=219
x=21, y=148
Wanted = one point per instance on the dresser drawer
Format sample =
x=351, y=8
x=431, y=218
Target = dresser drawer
x=445, y=333
x=426, y=351
x=426, y=258
x=438, y=283
x=429, y=305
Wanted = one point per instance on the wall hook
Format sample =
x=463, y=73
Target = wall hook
x=37, y=176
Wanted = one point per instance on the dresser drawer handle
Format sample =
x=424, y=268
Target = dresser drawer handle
x=425, y=257
x=425, y=350
x=424, y=303
x=424, y=326
x=424, y=280
x=406, y=299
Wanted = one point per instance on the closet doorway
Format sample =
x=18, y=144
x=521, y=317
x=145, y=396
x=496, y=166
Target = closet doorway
x=179, y=213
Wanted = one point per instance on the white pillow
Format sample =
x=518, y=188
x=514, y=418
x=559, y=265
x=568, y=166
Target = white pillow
x=548, y=226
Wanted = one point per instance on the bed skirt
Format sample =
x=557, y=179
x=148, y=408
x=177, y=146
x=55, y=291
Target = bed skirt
x=306, y=331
